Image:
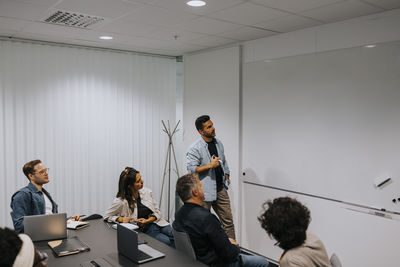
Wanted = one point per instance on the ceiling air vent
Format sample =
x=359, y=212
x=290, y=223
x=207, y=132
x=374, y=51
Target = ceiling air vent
x=72, y=19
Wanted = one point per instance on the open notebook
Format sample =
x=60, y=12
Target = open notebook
x=75, y=225
x=68, y=246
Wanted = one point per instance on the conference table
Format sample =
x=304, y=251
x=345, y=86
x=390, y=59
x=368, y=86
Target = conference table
x=102, y=240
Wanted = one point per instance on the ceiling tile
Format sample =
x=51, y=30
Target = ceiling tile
x=247, y=14
x=45, y=3
x=150, y=25
x=146, y=42
x=20, y=10
x=12, y=24
x=288, y=23
x=42, y=37
x=190, y=47
x=7, y=33
x=184, y=47
x=93, y=36
x=341, y=11
x=169, y=35
x=102, y=8
x=295, y=5
x=142, y=1
x=387, y=4
x=123, y=26
x=209, y=26
x=211, y=41
x=53, y=30
x=246, y=33
x=210, y=7
x=159, y=16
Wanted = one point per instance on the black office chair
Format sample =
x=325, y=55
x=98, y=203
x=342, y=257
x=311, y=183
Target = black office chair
x=183, y=243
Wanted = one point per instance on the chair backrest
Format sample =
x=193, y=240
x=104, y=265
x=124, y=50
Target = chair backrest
x=182, y=243
x=335, y=261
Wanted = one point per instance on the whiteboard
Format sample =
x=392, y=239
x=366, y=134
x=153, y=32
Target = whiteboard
x=325, y=124
x=358, y=238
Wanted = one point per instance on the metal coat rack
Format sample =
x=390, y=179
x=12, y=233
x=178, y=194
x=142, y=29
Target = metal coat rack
x=170, y=150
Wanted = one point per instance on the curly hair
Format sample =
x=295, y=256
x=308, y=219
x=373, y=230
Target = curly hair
x=10, y=245
x=286, y=220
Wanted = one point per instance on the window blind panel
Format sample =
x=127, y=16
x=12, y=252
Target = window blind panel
x=86, y=114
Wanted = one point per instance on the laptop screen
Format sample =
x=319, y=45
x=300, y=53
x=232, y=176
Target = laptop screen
x=128, y=246
x=46, y=227
x=127, y=242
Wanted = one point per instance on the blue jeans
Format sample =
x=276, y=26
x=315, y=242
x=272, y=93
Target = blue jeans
x=250, y=261
x=163, y=234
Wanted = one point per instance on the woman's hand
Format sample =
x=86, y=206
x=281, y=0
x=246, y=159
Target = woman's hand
x=124, y=219
x=142, y=221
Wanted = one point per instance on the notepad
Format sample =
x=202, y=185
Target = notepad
x=68, y=246
x=76, y=224
x=127, y=225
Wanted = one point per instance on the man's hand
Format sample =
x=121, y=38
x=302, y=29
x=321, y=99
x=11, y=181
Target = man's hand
x=214, y=162
x=227, y=179
x=233, y=242
x=75, y=217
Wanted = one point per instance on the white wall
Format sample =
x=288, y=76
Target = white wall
x=87, y=114
x=358, y=238
x=329, y=123
x=377, y=28
x=211, y=86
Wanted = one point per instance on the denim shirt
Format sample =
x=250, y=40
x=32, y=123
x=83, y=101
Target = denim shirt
x=198, y=155
x=28, y=201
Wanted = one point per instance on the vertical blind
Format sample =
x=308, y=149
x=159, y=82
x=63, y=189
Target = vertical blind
x=86, y=114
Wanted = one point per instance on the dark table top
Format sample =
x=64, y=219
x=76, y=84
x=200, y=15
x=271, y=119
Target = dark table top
x=102, y=241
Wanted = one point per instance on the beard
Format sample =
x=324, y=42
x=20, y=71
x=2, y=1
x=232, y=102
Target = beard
x=211, y=135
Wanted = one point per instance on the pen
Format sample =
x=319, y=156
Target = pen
x=95, y=263
x=220, y=161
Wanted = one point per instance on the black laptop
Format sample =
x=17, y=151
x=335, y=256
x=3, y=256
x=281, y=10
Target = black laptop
x=128, y=246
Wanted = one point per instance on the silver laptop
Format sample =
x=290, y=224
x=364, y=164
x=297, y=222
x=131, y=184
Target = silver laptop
x=46, y=227
x=128, y=246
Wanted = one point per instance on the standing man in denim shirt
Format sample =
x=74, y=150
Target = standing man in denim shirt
x=33, y=199
x=206, y=157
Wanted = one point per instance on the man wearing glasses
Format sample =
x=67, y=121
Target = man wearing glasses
x=33, y=199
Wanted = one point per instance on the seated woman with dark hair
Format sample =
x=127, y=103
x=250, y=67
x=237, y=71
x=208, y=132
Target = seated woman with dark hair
x=17, y=250
x=286, y=220
x=135, y=204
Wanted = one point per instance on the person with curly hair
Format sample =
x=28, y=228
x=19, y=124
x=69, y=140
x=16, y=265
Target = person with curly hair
x=286, y=220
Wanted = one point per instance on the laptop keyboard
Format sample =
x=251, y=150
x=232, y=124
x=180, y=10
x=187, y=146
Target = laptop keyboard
x=143, y=256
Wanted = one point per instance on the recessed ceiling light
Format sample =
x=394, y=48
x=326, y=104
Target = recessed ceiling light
x=370, y=46
x=106, y=37
x=196, y=3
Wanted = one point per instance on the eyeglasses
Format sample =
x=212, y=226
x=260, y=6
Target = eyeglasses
x=44, y=171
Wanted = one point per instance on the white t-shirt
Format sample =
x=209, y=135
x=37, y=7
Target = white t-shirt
x=48, y=204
